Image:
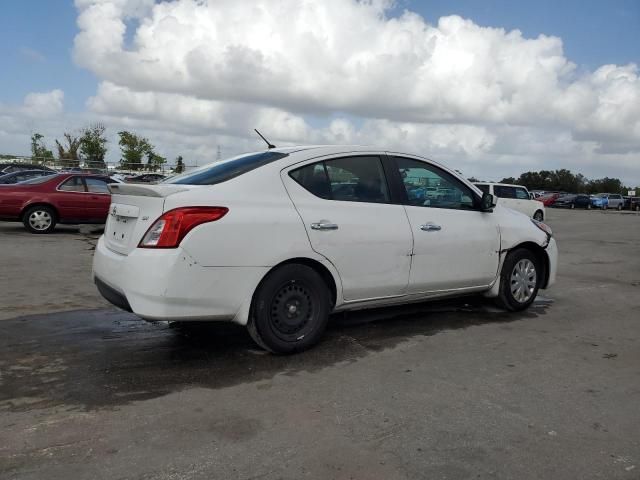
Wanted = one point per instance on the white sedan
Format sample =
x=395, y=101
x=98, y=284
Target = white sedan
x=277, y=240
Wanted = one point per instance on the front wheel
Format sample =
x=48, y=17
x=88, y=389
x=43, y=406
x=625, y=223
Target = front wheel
x=619, y=207
x=39, y=219
x=519, y=280
x=572, y=206
x=290, y=310
x=589, y=206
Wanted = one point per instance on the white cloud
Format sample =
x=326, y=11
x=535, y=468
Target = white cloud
x=45, y=104
x=192, y=74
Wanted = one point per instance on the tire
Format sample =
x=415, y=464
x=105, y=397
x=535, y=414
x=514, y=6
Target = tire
x=39, y=219
x=589, y=206
x=619, y=207
x=290, y=310
x=517, y=292
x=573, y=205
x=637, y=208
x=539, y=216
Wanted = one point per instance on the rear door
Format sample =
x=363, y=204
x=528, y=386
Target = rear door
x=455, y=245
x=70, y=200
x=346, y=207
x=98, y=198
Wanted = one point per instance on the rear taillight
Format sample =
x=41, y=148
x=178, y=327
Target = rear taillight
x=169, y=230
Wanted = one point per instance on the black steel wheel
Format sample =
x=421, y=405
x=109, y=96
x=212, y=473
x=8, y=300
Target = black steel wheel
x=290, y=309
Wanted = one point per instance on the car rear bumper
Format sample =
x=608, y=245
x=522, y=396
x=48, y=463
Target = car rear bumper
x=167, y=284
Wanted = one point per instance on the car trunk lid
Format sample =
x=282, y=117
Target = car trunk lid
x=133, y=210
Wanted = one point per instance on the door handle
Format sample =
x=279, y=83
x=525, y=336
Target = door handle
x=430, y=227
x=324, y=225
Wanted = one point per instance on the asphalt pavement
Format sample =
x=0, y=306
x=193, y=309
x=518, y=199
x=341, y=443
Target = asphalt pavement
x=450, y=390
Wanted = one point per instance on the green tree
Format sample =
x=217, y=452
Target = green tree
x=93, y=145
x=69, y=154
x=133, y=149
x=606, y=185
x=39, y=151
x=155, y=161
x=179, y=168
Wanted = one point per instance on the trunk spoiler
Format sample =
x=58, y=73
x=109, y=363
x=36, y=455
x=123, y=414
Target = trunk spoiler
x=138, y=190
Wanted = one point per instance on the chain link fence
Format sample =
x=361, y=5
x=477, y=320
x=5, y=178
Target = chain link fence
x=65, y=164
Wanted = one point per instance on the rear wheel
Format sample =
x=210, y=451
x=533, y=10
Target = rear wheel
x=637, y=208
x=39, y=219
x=290, y=310
x=619, y=206
x=519, y=280
x=572, y=206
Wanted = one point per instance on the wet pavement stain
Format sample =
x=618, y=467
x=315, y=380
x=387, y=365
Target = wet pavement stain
x=106, y=358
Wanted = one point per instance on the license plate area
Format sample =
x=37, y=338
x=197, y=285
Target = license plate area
x=121, y=226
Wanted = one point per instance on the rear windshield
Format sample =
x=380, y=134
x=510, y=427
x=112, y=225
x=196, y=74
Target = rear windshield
x=222, y=171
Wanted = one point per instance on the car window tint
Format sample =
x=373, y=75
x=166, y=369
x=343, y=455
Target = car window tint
x=314, y=178
x=503, y=191
x=96, y=185
x=521, y=194
x=484, y=188
x=348, y=179
x=226, y=170
x=73, y=184
x=357, y=179
x=429, y=186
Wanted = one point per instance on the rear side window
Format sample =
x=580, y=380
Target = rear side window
x=349, y=179
x=96, y=185
x=504, y=192
x=73, y=184
x=521, y=194
x=222, y=171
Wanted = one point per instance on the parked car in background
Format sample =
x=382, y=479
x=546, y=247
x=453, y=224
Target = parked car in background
x=548, y=198
x=42, y=202
x=19, y=166
x=629, y=202
x=339, y=232
x=572, y=201
x=21, y=176
x=608, y=200
x=515, y=197
x=634, y=204
x=146, y=178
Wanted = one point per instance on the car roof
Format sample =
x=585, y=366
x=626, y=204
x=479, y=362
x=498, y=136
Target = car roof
x=500, y=184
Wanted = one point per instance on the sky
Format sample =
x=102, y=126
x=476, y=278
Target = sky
x=491, y=88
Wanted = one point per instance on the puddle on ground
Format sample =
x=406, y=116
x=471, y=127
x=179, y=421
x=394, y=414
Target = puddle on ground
x=105, y=358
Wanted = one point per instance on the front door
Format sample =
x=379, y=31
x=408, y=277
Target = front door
x=98, y=199
x=455, y=246
x=346, y=208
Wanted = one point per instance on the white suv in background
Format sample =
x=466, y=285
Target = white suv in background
x=515, y=197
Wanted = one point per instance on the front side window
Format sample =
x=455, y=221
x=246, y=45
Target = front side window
x=521, y=194
x=348, y=179
x=73, y=184
x=483, y=188
x=503, y=191
x=429, y=186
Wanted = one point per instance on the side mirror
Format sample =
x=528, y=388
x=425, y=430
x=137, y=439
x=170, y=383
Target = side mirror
x=487, y=203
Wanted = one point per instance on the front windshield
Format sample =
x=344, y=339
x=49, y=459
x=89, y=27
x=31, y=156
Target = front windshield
x=221, y=171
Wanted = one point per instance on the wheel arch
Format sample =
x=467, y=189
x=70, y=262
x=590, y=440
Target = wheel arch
x=330, y=278
x=39, y=204
x=542, y=257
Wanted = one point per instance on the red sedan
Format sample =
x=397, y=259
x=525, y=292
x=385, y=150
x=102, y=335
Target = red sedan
x=42, y=202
